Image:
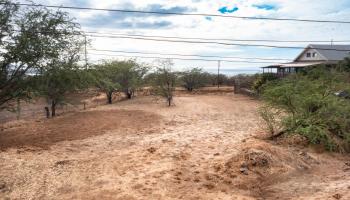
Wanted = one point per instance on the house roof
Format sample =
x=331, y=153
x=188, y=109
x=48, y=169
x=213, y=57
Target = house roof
x=295, y=64
x=329, y=52
x=272, y=66
x=300, y=64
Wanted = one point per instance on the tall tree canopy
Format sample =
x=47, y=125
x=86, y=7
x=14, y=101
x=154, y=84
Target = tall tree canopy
x=194, y=79
x=32, y=39
x=130, y=76
x=58, y=80
x=105, y=76
x=122, y=76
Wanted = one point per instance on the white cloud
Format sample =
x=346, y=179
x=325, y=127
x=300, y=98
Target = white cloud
x=187, y=26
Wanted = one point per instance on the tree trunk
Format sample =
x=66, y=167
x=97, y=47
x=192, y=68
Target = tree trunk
x=18, y=110
x=47, y=112
x=169, y=101
x=53, y=108
x=109, y=97
x=128, y=93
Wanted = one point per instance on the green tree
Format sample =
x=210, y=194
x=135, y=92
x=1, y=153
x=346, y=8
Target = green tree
x=194, y=79
x=214, y=79
x=149, y=78
x=123, y=76
x=61, y=78
x=106, y=79
x=31, y=38
x=130, y=76
x=165, y=80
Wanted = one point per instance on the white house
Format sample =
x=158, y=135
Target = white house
x=312, y=55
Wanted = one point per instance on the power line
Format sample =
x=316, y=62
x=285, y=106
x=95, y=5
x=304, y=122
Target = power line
x=176, y=58
x=219, y=39
x=204, y=42
x=222, y=43
x=112, y=35
x=182, y=14
x=191, y=55
x=210, y=42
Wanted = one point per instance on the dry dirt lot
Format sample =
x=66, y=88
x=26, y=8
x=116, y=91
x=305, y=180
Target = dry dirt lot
x=203, y=147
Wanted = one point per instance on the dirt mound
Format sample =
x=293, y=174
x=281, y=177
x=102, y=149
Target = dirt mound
x=264, y=160
x=248, y=173
x=74, y=126
x=260, y=164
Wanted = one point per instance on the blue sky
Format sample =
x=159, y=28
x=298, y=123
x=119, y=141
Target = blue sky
x=266, y=6
x=210, y=27
x=227, y=10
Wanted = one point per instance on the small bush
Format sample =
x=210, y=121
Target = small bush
x=165, y=80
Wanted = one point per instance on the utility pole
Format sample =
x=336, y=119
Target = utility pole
x=218, y=73
x=86, y=62
x=332, y=42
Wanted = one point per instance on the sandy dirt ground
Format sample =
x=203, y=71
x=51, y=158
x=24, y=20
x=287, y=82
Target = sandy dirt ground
x=203, y=147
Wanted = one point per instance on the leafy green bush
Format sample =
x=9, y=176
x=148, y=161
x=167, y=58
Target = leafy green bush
x=261, y=80
x=311, y=107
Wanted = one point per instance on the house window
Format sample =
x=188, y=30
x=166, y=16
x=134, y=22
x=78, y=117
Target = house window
x=308, y=55
x=314, y=54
